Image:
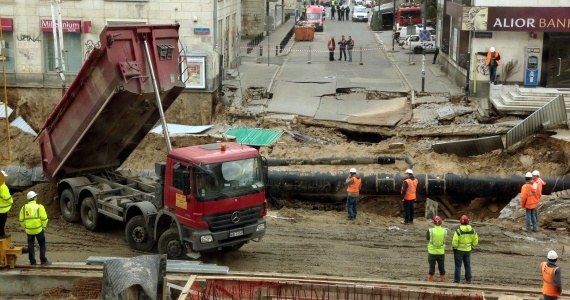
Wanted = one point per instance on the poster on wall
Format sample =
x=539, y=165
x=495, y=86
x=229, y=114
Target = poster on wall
x=194, y=72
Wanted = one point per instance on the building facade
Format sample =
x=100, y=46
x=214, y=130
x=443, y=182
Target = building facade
x=209, y=34
x=532, y=37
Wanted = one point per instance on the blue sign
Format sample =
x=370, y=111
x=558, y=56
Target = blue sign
x=425, y=35
x=202, y=31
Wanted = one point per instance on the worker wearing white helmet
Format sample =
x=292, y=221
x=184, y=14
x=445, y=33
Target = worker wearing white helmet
x=6, y=202
x=551, y=278
x=409, y=187
x=530, y=196
x=354, y=183
x=538, y=182
x=33, y=218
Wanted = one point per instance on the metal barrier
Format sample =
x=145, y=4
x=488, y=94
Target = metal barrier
x=254, y=42
x=550, y=115
x=286, y=39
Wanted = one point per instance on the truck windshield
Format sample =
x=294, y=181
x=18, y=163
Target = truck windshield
x=229, y=179
x=312, y=16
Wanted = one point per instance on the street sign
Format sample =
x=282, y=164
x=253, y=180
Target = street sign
x=425, y=35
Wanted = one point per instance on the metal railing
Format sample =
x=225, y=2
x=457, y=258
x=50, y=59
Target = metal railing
x=254, y=42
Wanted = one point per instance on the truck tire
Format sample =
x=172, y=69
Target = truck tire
x=89, y=214
x=169, y=243
x=67, y=206
x=137, y=234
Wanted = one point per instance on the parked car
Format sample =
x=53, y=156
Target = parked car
x=359, y=14
x=358, y=2
x=406, y=31
x=414, y=44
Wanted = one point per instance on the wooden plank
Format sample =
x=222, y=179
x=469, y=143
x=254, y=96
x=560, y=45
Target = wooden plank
x=187, y=287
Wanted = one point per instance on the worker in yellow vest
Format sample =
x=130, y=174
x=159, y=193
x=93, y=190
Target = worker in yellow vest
x=6, y=202
x=551, y=278
x=464, y=239
x=34, y=219
x=436, y=249
x=354, y=183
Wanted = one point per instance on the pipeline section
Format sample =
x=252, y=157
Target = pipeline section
x=320, y=183
x=274, y=162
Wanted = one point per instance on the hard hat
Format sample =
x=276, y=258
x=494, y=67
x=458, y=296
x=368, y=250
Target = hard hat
x=464, y=220
x=552, y=255
x=31, y=195
x=353, y=170
x=528, y=175
x=492, y=49
x=409, y=171
x=6, y=175
x=535, y=173
x=437, y=220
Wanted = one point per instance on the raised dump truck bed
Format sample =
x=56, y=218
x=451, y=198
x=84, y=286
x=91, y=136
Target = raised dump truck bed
x=111, y=104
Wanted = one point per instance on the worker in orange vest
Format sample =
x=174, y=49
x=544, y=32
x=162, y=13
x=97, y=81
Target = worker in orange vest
x=354, y=183
x=539, y=183
x=530, y=197
x=551, y=278
x=409, y=187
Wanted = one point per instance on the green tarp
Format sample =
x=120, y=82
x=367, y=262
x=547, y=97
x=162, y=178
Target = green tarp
x=255, y=136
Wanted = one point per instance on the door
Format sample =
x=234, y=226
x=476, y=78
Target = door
x=558, y=60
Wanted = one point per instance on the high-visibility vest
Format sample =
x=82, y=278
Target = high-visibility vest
x=5, y=199
x=548, y=285
x=354, y=186
x=488, y=60
x=410, y=193
x=465, y=238
x=33, y=218
x=436, y=243
x=529, y=196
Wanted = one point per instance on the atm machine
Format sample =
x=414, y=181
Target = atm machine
x=531, y=66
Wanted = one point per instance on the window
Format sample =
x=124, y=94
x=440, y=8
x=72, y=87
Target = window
x=7, y=49
x=73, y=53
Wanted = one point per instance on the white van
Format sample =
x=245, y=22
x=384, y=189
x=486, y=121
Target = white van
x=412, y=30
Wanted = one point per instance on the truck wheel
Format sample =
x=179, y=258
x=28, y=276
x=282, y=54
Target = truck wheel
x=138, y=235
x=89, y=214
x=170, y=244
x=68, y=207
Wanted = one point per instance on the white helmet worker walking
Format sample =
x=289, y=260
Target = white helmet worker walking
x=31, y=195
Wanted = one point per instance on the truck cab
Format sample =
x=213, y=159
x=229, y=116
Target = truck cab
x=315, y=15
x=214, y=198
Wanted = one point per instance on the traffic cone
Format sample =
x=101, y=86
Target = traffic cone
x=442, y=278
x=430, y=277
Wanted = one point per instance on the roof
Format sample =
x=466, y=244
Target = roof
x=254, y=136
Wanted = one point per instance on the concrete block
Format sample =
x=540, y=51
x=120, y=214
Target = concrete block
x=446, y=113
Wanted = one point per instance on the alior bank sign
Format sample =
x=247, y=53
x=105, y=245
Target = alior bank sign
x=547, y=19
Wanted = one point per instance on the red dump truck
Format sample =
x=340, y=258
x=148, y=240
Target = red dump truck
x=203, y=198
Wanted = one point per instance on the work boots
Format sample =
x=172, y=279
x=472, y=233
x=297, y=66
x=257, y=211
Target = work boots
x=430, y=277
x=442, y=278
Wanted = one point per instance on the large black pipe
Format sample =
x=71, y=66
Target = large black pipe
x=272, y=162
x=317, y=183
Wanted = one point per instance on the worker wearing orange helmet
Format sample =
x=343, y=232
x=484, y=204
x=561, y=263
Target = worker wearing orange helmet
x=464, y=239
x=409, y=187
x=530, y=196
x=551, y=278
x=354, y=183
x=436, y=249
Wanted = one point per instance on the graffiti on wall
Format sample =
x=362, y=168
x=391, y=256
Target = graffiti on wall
x=28, y=38
x=28, y=54
x=90, y=46
x=482, y=67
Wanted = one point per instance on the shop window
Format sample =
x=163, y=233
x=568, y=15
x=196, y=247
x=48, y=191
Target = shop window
x=7, y=49
x=72, y=57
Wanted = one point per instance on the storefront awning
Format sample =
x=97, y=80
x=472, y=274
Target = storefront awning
x=7, y=24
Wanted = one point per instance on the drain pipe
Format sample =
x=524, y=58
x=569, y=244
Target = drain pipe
x=382, y=160
x=316, y=183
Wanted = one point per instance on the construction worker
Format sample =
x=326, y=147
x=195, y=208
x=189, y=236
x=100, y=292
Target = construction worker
x=409, y=187
x=6, y=202
x=34, y=219
x=551, y=278
x=436, y=249
x=354, y=183
x=530, y=196
x=539, y=183
x=464, y=239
